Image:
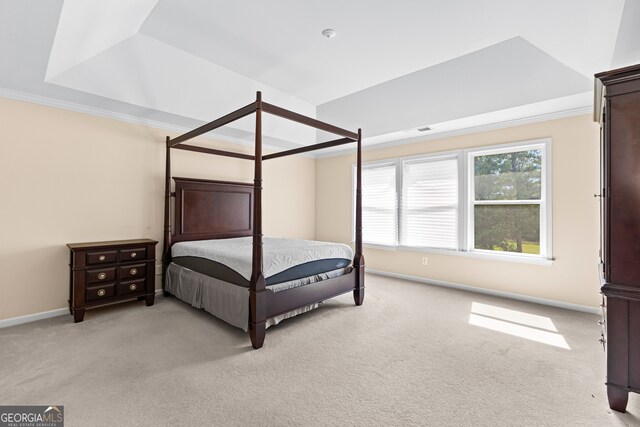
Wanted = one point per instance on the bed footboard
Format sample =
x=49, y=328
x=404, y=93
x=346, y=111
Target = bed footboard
x=285, y=301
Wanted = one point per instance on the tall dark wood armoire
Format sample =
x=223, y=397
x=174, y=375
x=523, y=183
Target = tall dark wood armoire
x=618, y=110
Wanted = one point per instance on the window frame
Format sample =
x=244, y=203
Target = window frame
x=544, y=145
x=465, y=217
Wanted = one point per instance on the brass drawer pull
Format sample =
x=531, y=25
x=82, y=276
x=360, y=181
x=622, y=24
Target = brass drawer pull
x=102, y=276
x=133, y=254
x=102, y=258
x=133, y=287
x=133, y=272
x=101, y=292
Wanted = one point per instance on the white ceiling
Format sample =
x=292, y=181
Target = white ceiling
x=392, y=68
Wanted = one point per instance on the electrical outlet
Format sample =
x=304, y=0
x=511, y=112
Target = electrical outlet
x=425, y=260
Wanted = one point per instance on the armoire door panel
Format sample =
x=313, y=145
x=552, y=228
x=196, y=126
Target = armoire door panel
x=624, y=184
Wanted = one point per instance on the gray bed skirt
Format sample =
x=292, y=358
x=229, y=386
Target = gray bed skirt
x=227, y=301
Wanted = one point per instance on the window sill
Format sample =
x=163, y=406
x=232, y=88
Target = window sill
x=466, y=254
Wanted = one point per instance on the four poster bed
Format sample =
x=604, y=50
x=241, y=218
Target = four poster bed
x=215, y=256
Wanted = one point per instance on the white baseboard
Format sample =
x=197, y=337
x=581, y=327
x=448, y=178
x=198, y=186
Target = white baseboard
x=583, y=308
x=33, y=317
x=536, y=300
x=5, y=323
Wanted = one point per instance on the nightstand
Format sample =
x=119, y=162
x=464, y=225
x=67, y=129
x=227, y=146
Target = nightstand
x=108, y=272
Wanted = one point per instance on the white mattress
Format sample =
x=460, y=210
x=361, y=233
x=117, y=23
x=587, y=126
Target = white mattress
x=278, y=254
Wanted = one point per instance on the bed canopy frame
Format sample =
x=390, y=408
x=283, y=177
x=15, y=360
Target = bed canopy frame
x=264, y=304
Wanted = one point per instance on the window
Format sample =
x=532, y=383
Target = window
x=429, y=212
x=507, y=200
x=490, y=200
x=379, y=207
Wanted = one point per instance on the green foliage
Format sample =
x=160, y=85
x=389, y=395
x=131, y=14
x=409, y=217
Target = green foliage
x=506, y=227
x=508, y=176
x=527, y=248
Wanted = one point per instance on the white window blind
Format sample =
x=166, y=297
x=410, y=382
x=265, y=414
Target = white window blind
x=379, y=207
x=429, y=211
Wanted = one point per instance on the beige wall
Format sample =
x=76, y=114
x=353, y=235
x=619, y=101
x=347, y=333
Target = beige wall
x=572, y=277
x=70, y=177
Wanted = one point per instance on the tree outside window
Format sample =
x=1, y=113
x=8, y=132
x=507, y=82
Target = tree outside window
x=507, y=201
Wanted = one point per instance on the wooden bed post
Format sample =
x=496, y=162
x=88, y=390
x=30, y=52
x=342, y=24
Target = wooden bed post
x=166, y=252
x=358, y=259
x=257, y=287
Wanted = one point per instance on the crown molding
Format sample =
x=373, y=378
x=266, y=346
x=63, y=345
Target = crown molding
x=84, y=109
x=99, y=112
x=570, y=112
x=127, y=118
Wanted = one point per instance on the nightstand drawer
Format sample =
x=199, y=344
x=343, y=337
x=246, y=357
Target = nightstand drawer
x=96, y=293
x=131, y=287
x=134, y=271
x=132, y=254
x=102, y=257
x=101, y=275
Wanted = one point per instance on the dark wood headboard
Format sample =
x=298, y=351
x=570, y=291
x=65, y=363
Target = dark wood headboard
x=207, y=209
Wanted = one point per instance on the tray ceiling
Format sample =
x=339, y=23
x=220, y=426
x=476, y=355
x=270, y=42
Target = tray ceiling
x=392, y=68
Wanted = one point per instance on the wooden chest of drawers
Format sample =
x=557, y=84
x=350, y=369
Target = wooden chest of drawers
x=107, y=272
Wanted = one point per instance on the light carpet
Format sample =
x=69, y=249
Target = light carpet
x=408, y=356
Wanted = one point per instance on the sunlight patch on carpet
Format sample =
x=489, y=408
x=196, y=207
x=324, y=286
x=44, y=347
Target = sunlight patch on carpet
x=517, y=323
